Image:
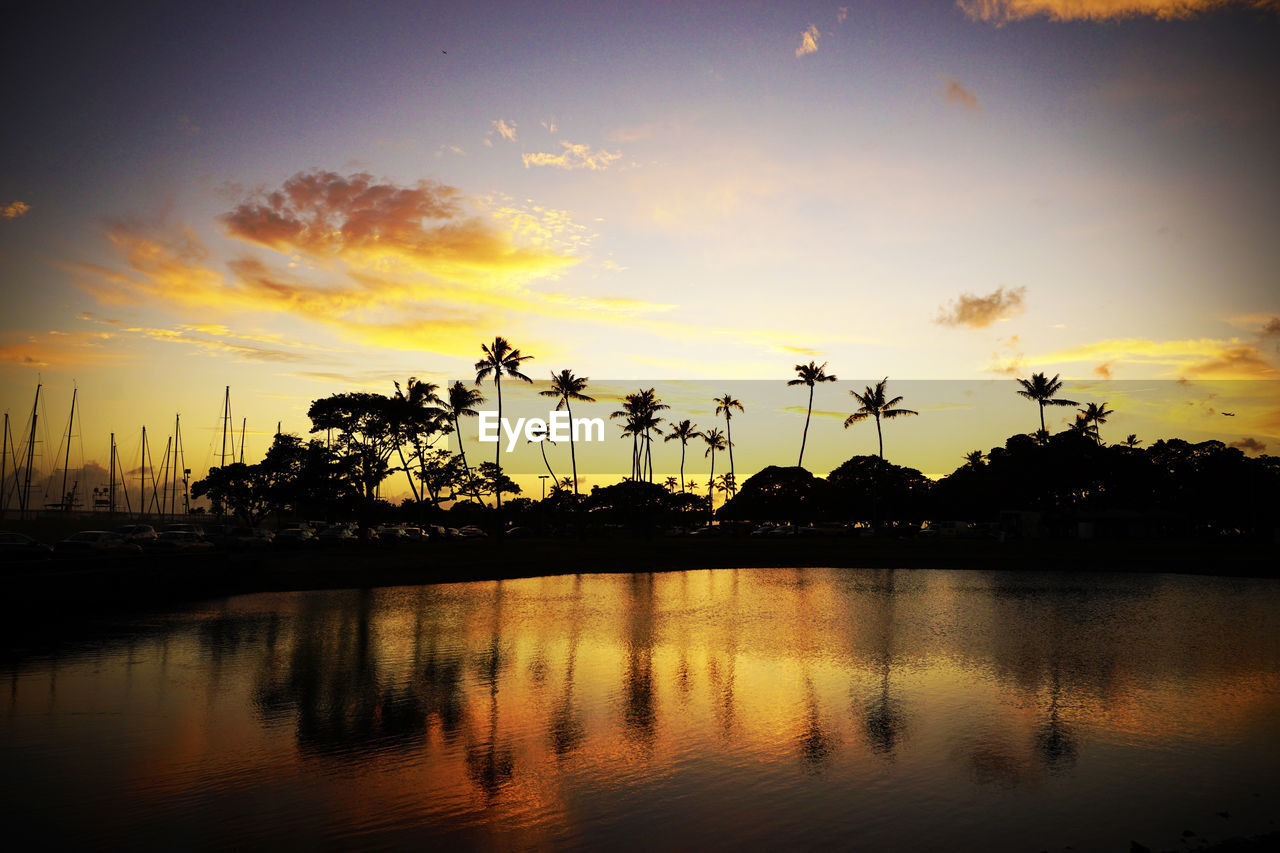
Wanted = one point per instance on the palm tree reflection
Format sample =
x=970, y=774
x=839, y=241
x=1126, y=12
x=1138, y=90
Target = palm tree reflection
x=491, y=762
x=639, y=714
x=883, y=718
x=567, y=729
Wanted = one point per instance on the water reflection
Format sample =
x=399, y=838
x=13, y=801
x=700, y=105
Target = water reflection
x=573, y=707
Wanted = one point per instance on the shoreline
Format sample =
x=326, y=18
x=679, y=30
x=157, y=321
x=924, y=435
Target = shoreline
x=150, y=579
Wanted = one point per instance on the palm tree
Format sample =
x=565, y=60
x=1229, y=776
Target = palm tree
x=974, y=459
x=566, y=386
x=1131, y=440
x=542, y=446
x=500, y=358
x=419, y=414
x=809, y=374
x=685, y=432
x=874, y=405
x=670, y=484
x=727, y=404
x=1097, y=415
x=715, y=441
x=461, y=402
x=1042, y=390
x=639, y=410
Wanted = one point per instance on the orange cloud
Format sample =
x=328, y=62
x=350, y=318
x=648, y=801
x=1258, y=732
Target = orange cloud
x=956, y=93
x=506, y=131
x=14, y=209
x=57, y=349
x=978, y=312
x=1105, y=370
x=1001, y=11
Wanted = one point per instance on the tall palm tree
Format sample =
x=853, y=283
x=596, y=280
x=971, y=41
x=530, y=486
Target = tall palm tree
x=1096, y=415
x=639, y=411
x=1042, y=390
x=874, y=405
x=566, y=387
x=809, y=374
x=727, y=404
x=715, y=441
x=460, y=402
x=684, y=432
x=419, y=412
x=499, y=359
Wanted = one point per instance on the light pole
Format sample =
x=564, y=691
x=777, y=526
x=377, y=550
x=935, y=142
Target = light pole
x=543, y=478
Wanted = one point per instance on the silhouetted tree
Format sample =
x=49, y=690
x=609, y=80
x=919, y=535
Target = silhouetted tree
x=809, y=374
x=874, y=405
x=500, y=359
x=684, y=432
x=727, y=404
x=1043, y=391
x=566, y=387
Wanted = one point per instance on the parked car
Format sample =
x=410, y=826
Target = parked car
x=249, y=537
x=96, y=542
x=336, y=533
x=185, y=528
x=471, y=532
x=179, y=540
x=20, y=546
x=140, y=533
x=293, y=537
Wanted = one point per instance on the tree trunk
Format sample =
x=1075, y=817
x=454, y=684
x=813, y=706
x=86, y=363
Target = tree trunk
x=497, y=448
x=572, y=456
x=880, y=436
x=804, y=438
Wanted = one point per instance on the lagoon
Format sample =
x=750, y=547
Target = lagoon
x=802, y=708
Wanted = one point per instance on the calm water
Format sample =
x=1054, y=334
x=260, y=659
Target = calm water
x=802, y=708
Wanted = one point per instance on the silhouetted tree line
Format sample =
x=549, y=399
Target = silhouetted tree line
x=1170, y=487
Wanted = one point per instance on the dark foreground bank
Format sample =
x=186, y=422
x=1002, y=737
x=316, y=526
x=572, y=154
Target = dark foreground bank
x=48, y=590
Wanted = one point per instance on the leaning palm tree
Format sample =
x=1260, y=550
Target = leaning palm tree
x=874, y=405
x=460, y=402
x=684, y=432
x=727, y=404
x=499, y=359
x=1097, y=415
x=542, y=446
x=809, y=374
x=715, y=441
x=1042, y=390
x=566, y=387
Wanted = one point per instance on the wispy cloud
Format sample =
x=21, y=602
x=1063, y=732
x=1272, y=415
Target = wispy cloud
x=1002, y=11
x=506, y=131
x=574, y=156
x=58, y=349
x=957, y=93
x=978, y=312
x=14, y=209
x=808, y=42
x=842, y=14
x=1200, y=358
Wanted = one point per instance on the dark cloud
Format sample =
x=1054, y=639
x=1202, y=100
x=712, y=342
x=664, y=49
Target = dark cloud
x=1249, y=445
x=978, y=312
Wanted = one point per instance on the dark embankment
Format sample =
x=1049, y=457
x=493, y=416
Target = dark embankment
x=41, y=589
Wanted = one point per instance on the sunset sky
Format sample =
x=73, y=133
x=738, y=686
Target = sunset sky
x=301, y=199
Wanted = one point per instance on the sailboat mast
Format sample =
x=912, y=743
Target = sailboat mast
x=111, y=489
x=4, y=466
x=226, y=417
x=243, y=423
x=174, y=477
x=31, y=456
x=66, y=459
x=142, y=476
